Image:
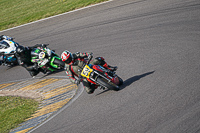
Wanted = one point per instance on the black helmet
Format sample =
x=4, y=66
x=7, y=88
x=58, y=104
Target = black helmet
x=20, y=50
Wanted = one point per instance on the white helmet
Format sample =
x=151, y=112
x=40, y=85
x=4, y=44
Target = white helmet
x=67, y=57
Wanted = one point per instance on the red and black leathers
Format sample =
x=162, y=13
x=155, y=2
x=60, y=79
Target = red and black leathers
x=72, y=69
x=101, y=61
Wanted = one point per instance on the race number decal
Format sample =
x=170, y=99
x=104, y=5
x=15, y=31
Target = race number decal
x=41, y=55
x=86, y=71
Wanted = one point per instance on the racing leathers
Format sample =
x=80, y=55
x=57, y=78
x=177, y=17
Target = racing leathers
x=74, y=68
x=24, y=59
x=101, y=61
x=7, y=49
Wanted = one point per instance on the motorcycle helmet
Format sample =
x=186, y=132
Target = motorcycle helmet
x=66, y=57
x=3, y=37
x=20, y=50
x=37, y=54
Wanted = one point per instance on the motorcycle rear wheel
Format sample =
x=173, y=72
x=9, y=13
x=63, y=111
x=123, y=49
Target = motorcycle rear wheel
x=109, y=85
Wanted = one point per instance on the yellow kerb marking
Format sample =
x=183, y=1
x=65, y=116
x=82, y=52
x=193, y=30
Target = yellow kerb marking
x=53, y=90
x=5, y=85
x=59, y=91
x=50, y=108
x=39, y=84
x=25, y=130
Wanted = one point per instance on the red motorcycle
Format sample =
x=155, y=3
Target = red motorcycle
x=101, y=77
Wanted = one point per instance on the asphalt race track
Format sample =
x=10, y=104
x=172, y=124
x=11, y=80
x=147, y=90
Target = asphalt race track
x=156, y=46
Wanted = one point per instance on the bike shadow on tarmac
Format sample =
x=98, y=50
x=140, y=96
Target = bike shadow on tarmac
x=131, y=80
x=134, y=79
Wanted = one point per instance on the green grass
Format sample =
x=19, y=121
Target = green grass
x=14, y=110
x=18, y=12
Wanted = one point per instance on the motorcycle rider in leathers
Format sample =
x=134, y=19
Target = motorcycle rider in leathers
x=10, y=39
x=74, y=62
x=23, y=55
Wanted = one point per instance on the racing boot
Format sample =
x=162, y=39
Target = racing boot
x=113, y=68
x=89, y=88
x=33, y=73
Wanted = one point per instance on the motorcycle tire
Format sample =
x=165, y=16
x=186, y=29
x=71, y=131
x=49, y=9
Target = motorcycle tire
x=60, y=63
x=120, y=81
x=109, y=85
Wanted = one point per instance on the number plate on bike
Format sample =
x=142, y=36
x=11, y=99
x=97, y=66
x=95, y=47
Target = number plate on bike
x=44, y=62
x=86, y=71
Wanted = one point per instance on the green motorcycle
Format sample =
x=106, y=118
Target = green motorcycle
x=47, y=60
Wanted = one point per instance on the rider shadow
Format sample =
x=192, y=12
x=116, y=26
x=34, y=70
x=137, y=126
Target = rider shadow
x=130, y=81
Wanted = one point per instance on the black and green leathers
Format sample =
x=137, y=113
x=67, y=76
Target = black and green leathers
x=24, y=59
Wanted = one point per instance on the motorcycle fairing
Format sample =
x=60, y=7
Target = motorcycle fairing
x=52, y=60
x=97, y=67
x=7, y=46
x=10, y=59
x=115, y=80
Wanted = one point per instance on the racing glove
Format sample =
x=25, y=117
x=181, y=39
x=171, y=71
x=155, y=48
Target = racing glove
x=90, y=55
x=77, y=82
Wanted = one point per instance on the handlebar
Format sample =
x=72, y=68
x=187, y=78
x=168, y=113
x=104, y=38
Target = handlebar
x=89, y=58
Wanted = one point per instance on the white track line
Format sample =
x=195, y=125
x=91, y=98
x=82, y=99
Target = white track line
x=80, y=89
x=78, y=93
x=57, y=15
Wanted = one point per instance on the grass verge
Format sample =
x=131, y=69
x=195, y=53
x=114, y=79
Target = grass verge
x=17, y=12
x=14, y=110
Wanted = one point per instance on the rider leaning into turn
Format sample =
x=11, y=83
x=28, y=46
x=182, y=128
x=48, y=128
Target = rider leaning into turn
x=6, y=41
x=24, y=57
x=74, y=62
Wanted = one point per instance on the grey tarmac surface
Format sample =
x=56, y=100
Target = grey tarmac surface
x=155, y=45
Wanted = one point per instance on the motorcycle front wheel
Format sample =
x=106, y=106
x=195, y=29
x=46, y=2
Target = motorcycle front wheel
x=109, y=85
